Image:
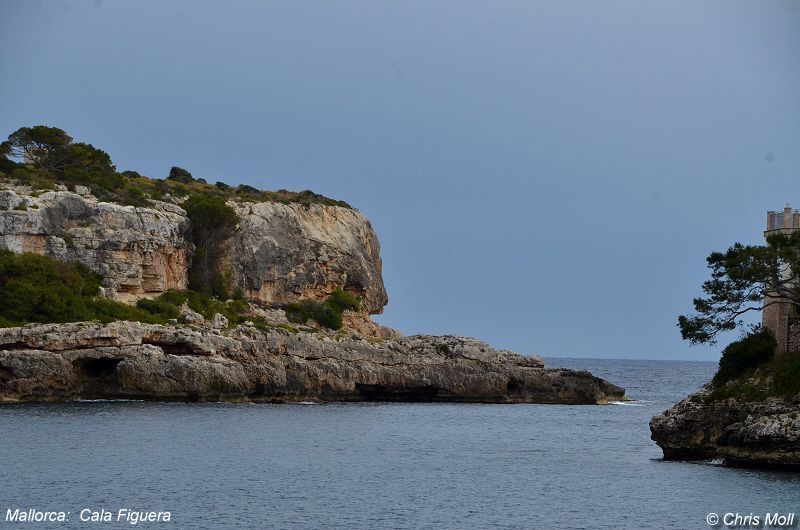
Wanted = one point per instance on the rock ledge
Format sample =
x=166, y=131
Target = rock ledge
x=740, y=433
x=86, y=360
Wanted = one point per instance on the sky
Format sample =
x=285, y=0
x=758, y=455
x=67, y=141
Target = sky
x=547, y=176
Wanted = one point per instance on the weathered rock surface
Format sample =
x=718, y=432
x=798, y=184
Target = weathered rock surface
x=285, y=252
x=139, y=252
x=744, y=433
x=280, y=254
x=54, y=362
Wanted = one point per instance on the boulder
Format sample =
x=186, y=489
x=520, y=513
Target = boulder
x=190, y=316
x=220, y=322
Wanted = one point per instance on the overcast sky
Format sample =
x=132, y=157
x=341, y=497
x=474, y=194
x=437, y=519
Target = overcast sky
x=548, y=176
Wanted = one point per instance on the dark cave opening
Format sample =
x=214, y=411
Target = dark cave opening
x=95, y=368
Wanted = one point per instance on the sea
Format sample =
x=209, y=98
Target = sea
x=378, y=465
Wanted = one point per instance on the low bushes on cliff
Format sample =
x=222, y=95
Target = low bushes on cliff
x=52, y=157
x=168, y=306
x=327, y=313
x=787, y=378
x=752, y=350
x=779, y=377
x=36, y=288
x=43, y=156
x=343, y=301
x=749, y=371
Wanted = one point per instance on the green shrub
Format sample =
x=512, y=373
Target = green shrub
x=133, y=196
x=60, y=160
x=300, y=312
x=327, y=313
x=344, y=301
x=738, y=390
x=157, y=306
x=106, y=310
x=787, y=378
x=329, y=316
x=36, y=178
x=238, y=295
x=245, y=189
x=36, y=288
x=168, y=304
x=181, y=175
x=752, y=350
x=6, y=165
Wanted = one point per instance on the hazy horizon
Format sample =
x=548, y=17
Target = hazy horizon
x=547, y=177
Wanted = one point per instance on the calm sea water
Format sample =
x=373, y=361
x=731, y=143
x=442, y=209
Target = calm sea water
x=380, y=465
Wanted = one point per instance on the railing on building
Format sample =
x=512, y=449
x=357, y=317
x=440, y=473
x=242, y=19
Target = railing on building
x=787, y=219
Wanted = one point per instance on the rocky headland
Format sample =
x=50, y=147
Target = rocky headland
x=758, y=430
x=297, y=274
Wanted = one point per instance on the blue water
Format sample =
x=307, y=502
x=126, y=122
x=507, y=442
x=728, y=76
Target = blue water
x=380, y=465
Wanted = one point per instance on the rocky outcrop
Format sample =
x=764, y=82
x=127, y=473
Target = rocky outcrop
x=764, y=433
x=285, y=252
x=280, y=253
x=139, y=252
x=55, y=362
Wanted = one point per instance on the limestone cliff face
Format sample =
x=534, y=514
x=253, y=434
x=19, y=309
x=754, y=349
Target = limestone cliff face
x=56, y=362
x=281, y=252
x=285, y=252
x=139, y=252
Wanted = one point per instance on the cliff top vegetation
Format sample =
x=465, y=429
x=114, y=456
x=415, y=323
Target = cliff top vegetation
x=745, y=279
x=42, y=157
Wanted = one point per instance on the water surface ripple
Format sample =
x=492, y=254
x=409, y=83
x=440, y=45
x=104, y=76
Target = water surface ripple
x=380, y=465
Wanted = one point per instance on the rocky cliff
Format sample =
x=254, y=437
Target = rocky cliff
x=285, y=252
x=762, y=432
x=138, y=251
x=280, y=253
x=53, y=362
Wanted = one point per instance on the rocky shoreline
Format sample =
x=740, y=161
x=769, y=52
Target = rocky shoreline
x=280, y=253
x=740, y=433
x=131, y=360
